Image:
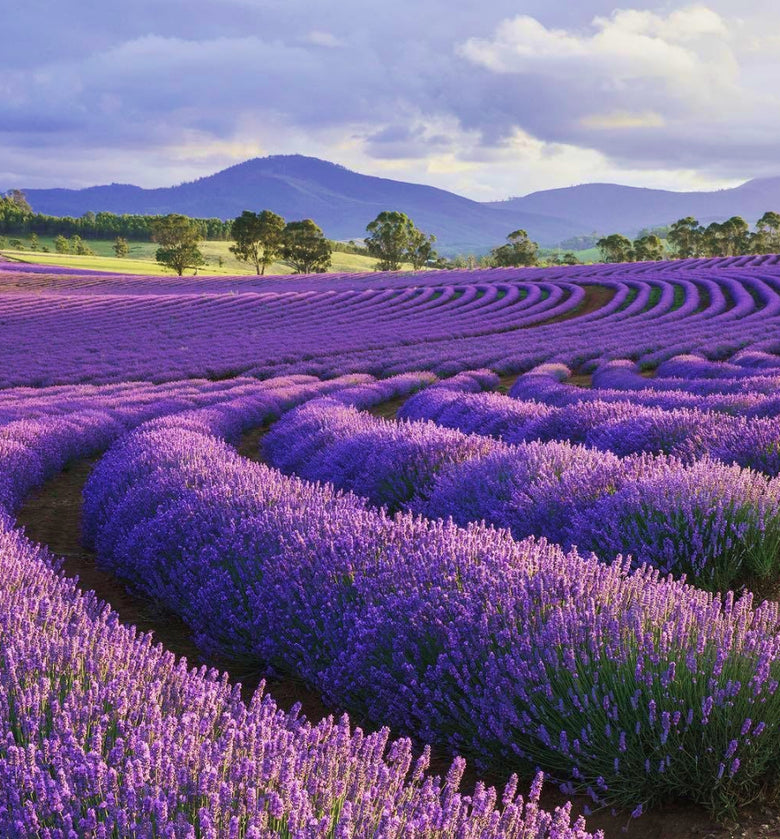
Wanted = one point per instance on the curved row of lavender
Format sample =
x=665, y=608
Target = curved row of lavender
x=717, y=524
x=102, y=329
x=103, y=733
x=741, y=427
x=631, y=687
x=41, y=431
x=621, y=684
x=106, y=734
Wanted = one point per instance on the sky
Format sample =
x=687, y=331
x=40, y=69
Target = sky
x=490, y=99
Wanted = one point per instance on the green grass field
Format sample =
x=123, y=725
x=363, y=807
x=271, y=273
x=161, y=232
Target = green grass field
x=141, y=259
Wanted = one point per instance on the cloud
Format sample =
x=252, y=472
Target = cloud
x=624, y=119
x=691, y=88
x=324, y=39
x=683, y=57
x=469, y=97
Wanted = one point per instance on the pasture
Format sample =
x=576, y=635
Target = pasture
x=140, y=259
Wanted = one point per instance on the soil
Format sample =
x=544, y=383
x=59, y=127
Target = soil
x=52, y=516
x=388, y=410
x=596, y=297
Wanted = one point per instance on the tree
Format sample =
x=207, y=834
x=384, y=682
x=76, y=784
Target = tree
x=258, y=238
x=19, y=200
x=120, y=247
x=178, y=237
x=35, y=242
x=615, y=248
x=305, y=248
x=420, y=251
x=767, y=236
x=648, y=248
x=15, y=212
x=727, y=238
x=520, y=250
x=79, y=246
x=685, y=236
x=394, y=239
x=61, y=244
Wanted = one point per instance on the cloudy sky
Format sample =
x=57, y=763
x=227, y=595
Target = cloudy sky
x=488, y=99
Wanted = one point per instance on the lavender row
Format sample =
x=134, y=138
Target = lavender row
x=629, y=687
x=620, y=426
x=222, y=334
x=717, y=524
x=102, y=733
x=386, y=462
x=382, y=325
x=33, y=450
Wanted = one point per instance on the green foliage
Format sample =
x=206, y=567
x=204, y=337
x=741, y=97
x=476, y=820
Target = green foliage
x=394, y=239
x=350, y=247
x=178, y=237
x=16, y=244
x=519, y=250
x=685, y=237
x=17, y=217
x=305, y=248
x=616, y=248
x=258, y=238
x=661, y=230
x=767, y=236
x=567, y=258
x=579, y=243
x=61, y=244
x=728, y=238
x=80, y=247
x=35, y=242
x=420, y=250
x=15, y=212
x=120, y=247
x=648, y=248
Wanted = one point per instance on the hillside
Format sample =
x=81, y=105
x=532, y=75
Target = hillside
x=609, y=208
x=342, y=202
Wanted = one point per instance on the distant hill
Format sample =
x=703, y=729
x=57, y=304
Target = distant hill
x=342, y=202
x=609, y=208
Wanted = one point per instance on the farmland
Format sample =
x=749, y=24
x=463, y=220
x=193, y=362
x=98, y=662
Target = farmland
x=518, y=524
x=141, y=260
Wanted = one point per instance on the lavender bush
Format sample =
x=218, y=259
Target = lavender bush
x=625, y=685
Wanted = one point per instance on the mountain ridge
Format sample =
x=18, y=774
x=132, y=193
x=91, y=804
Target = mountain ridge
x=343, y=202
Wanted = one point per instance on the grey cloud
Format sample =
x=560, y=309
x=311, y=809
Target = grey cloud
x=331, y=74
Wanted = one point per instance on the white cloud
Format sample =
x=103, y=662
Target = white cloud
x=469, y=97
x=685, y=55
x=624, y=119
x=324, y=39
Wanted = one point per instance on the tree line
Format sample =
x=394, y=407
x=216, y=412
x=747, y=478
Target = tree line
x=260, y=239
x=686, y=239
x=263, y=238
x=16, y=216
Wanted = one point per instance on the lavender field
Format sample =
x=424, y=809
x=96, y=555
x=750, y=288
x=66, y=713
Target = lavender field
x=527, y=519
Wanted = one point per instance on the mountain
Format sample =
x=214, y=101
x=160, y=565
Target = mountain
x=609, y=208
x=342, y=202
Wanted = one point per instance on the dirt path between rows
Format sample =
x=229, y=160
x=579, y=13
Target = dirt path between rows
x=596, y=297
x=52, y=516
